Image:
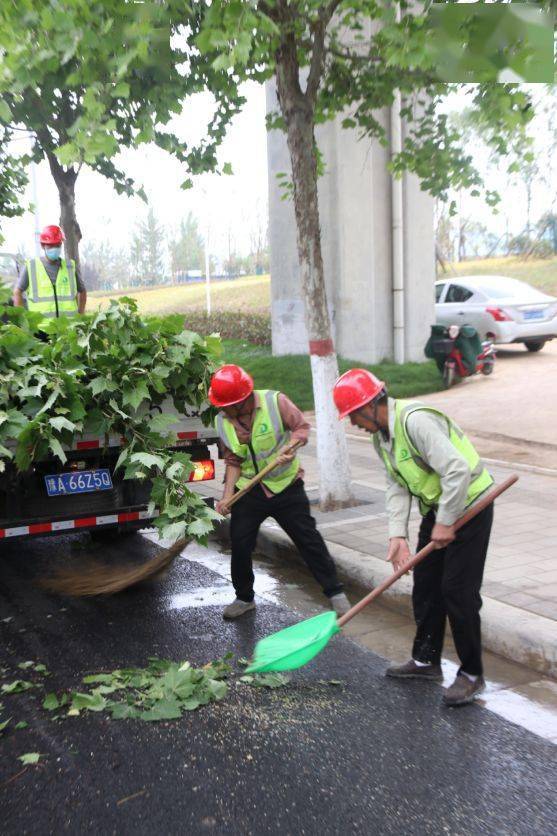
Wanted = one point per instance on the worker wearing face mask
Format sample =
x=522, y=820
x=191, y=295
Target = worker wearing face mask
x=52, y=285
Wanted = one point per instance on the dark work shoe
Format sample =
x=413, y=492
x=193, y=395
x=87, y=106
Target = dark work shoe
x=463, y=690
x=410, y=670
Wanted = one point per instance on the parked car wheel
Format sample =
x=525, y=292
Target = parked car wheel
x=534, y=345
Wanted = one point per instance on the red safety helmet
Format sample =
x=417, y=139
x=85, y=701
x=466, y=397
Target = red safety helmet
x=51, y=235
x=354, y=389
x=230, y=385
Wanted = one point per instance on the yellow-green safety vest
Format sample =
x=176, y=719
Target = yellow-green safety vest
x=268, y=435
x=405, y=464
x=51, y=300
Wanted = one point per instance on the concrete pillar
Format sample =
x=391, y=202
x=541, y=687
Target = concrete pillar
x=355, y=208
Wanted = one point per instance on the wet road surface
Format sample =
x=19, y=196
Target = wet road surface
x=368, y=756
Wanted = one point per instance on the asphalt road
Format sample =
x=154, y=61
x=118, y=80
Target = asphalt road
x=370, y=756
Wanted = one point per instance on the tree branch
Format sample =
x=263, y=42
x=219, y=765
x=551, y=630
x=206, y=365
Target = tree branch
x=317, y=58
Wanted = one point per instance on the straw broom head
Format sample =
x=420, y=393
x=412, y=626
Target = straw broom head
x=99, y=579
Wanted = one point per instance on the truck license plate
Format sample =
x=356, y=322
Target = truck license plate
x=86, y=481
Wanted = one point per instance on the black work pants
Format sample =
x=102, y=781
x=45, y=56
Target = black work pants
x=290, y=509
x=447, y=584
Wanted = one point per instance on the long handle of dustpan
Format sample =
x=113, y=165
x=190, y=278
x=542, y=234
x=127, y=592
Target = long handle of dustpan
x=470, y=514
x=261, y=475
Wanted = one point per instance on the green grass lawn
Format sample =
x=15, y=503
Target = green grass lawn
x=253, y=293
x=540, y=273
x=291, y=374
x=250, y=293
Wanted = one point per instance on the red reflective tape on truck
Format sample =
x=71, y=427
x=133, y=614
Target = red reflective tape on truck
x=71, y=525
x=88, y=445
x=130, y=516
x=184, y=435
x=84, y=522
x=40, y=528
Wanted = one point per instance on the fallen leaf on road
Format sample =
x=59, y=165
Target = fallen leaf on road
x=30, y=757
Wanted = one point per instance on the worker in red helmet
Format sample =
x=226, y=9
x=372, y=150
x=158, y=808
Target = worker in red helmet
x=255, y=426
x=52, y=285
x=427, y=456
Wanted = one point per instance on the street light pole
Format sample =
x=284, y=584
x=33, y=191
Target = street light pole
x=35, y=198
x=207, y=274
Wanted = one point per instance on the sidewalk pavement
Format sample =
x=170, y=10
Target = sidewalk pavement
x=519, y=614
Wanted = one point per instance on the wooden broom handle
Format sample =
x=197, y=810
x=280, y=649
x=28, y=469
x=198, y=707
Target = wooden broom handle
x=480, y=506
x=262, y=473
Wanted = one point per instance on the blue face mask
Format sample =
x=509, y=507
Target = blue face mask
x=53, y=252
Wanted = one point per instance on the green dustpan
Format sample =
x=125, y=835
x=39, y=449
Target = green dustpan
x=295, y=646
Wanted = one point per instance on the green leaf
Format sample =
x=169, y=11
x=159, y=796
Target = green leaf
x=117, y=409
x=30, y=758
x=25, y=665
x=174, y=532
x=123, y=711
x=16, y=687
x=57, y=449
x=134, y=395
x=120, y=90
x=101, y=678
x=4, y=724
x=161, y=423
x=266, y=680
x=200, y=527
x=21, y=725
x=50, y=702
x=60, y=423
x=5, y=112
x=102, y=384
x=218, y=688
x=87, y=702
x=148, y=460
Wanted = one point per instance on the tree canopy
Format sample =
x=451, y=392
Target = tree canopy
x=87, y=80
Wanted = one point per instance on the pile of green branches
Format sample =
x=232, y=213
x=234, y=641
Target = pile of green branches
x=108, y=374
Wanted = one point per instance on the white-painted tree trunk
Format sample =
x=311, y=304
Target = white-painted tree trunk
x=332, y=448
x=298, y=110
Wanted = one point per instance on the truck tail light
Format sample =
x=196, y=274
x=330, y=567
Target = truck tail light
x=202, y=471
x=498, y=314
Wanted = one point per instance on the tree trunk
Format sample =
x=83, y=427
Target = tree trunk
x=332, y=448
x=65, y=183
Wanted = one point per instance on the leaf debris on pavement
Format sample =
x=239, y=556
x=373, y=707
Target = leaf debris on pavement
x=161, y=691
x=265, y=680
x=30, y=757
x=16, y=686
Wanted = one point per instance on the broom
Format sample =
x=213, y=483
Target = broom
x=99, y=579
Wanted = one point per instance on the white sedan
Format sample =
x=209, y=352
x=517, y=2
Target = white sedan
x=501, y=309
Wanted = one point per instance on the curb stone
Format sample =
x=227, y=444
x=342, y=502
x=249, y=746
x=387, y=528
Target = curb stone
x=517, y=635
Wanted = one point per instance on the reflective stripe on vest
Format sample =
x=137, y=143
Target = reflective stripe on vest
x=43, y=295
x=267, y=437
x=406, y=466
